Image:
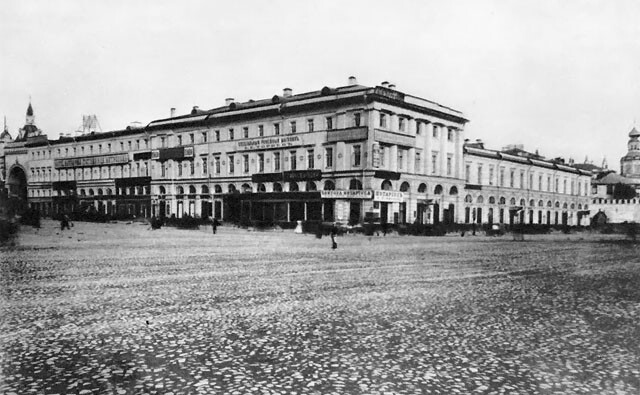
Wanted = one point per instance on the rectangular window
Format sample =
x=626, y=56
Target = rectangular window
x=129, y=145
x=530, y=186
x=435, y=132
x=434, y=163
x=548, y=183
x=383, y=120
x=522, y=179
x=329, y=123
x=329, y=157
x=293, y=126
x=179, y=140
x=192, y=167
x=292, y=158
x=100, y=148
x=163, y=170
x=276, y=129
x=137, y=144
x=449, y=164
x=261, y=130
x=204, y=166
x=501, y=177
x=309, y=125
x=245, y=132
x=216, y=162
x=276, y=161
x=357, y=117
x=400, y=159
x=217, y=135
x=245, y=163
x=479, y=174
x=230, y=134
x=512, y=177
x=231, y=164
x=467, y=173
x=357, y=155
x=449, y=134
x=418, y=163
x=540, y=182
x=402, y=124
x=260, y=163
x=204, y=137
x=122, y=146
x=383, y=151
x=310, y=162
x=179, y=169
x=163, y=141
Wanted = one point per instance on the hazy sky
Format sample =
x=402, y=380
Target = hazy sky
x=559, y=76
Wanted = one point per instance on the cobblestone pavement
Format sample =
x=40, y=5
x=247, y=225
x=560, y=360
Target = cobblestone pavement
x=120, y=309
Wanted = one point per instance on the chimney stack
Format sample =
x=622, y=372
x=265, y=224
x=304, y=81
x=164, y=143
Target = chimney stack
x=173, y=112
x=392, y=86
x=228, y=101
x=385, y=84
x=353, y=81
x=287, y=92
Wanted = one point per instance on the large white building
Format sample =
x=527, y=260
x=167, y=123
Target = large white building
x=336, y=154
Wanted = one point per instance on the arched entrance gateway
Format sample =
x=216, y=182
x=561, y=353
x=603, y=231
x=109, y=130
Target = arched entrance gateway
x=17, y=190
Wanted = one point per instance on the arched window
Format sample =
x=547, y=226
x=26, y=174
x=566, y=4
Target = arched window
x=355, y=185
x=502, y=200
x=83, y=192
x=573, y=206
x=277, y=187
x=492, y=200
x=405, y=187
x=246, y=188
x=204, y=190
x=468, y=199
x=422, y=188
x=438, y=190
x=311, y=186
x=217, y=188
x=512, y=201
x=386, y=185
x=557, y=204
x=453, y=190
x=532, y=203
x=180, y=191
x=549, y=204
x=90, y=192
x=480, y=200
x=192, y=190
x=329, y=185
x=140, y=190
x=231, y=188
x=99, y=191
x=109, y=192
x=262, y=188
x=564, y=206
x=522, y=202
x=162, y=190
x=579, y=206
x=293, y=187
x=540, y=203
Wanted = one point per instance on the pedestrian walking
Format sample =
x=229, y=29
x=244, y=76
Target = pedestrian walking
x=334, y=233
x=214, y=225
x=64, y=222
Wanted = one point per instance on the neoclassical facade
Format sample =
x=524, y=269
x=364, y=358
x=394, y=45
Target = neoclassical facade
x=344, y=154
x=515, y=186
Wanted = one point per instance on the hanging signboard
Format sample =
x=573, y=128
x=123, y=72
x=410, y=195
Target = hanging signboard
x=91, y=161
x=388, y=196
x=339, y=194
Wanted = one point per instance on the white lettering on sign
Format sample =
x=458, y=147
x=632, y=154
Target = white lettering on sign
x=340, y=194
x=91, y=161
x=388, y=196
x=269, y=142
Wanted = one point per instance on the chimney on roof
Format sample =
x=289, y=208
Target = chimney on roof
x=392, y=86
x=287, y=92
x=228, y=101
x=353, y=81
x=195, y=110
x=173, y=112
x=385, y=84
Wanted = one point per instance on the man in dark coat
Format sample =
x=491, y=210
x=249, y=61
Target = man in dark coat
x=334, y=233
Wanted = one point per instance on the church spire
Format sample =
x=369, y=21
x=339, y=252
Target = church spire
x=30, y=117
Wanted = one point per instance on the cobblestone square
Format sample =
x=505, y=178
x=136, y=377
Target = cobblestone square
x=121, y=309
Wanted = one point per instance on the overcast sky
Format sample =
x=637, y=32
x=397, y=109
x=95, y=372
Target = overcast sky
x=559, y=76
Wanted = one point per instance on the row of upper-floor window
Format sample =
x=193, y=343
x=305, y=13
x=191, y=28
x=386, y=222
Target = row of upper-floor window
x=137, y=169
x=514, y=178
x=404, y=125
x=91, y=149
